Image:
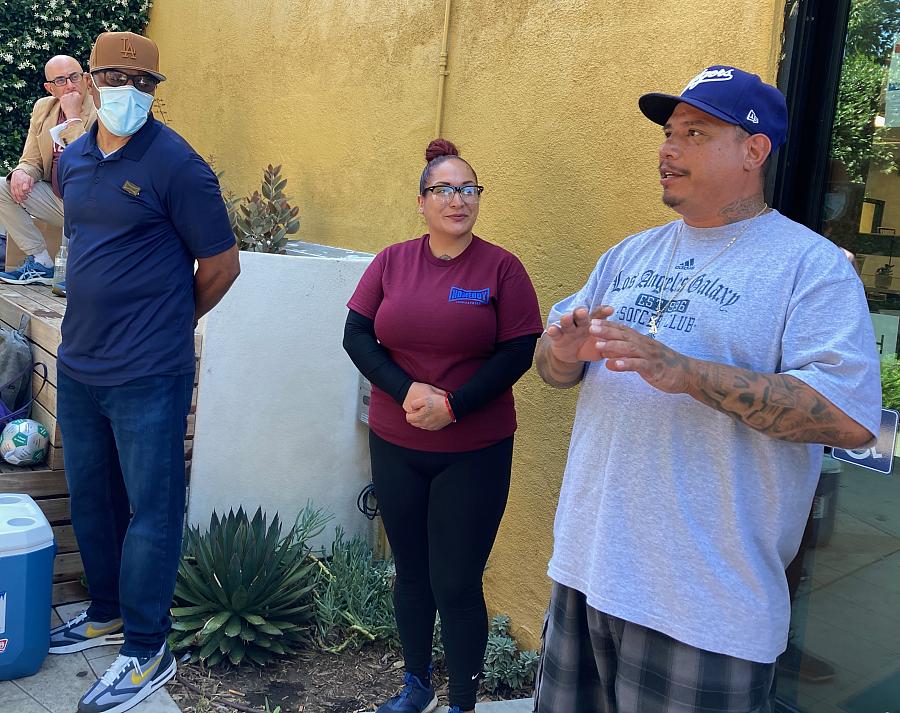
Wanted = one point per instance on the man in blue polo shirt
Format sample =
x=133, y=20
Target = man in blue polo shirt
x=140, y=208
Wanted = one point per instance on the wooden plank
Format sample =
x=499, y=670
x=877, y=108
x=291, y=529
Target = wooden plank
x=65, y=539
x=37, y=483
x=55, y=458
x=56, y=462
x=8, y=468
x=47, y=359
x=39, y=413
x=42, y=295
x=60, y=302
x=69, y=592
x=56, y=510
x=47, y=395
x=67, y=567
x=43, y=329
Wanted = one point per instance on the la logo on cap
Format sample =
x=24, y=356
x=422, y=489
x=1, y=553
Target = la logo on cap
x=709, y=75
x=753, y=117
x=128, y=49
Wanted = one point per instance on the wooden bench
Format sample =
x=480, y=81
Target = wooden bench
x=47, y=483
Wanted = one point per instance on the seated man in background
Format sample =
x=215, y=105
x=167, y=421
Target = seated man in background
x=31, y=190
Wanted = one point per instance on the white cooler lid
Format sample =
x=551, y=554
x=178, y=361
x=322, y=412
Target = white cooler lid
x=22, y=524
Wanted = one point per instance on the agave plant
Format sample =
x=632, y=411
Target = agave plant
x=243, y=591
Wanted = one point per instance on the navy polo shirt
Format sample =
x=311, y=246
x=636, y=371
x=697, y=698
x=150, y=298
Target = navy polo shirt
x=136, y=221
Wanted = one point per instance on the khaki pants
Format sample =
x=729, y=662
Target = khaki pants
x=18, y=219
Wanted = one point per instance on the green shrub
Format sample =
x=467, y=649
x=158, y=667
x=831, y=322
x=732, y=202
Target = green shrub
x=506, y=669
x=890, y=383
x=243, y=591
x=262, y=221
x=354, y=602
x=31, y=32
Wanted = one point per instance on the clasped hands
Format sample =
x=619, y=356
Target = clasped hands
x=425, y=407
x=20, y=185
x=581, y=336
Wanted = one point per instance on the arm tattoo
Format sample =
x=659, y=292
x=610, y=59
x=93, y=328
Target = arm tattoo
x=779, y=405
x=559, y=375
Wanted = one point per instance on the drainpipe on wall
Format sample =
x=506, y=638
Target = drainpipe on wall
x=442, y=71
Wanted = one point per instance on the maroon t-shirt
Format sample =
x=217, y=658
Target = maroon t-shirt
x=57, y=152
x=440, y=320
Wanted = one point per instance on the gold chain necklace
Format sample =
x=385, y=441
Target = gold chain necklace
x=663, y=305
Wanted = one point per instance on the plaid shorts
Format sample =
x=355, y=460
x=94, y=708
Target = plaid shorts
x=595, y=663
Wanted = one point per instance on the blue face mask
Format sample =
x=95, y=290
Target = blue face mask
x=123, y=110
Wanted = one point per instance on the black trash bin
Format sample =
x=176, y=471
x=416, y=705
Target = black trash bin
x=825, y=502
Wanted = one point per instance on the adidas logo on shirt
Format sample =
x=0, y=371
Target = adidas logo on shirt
x=686, y=265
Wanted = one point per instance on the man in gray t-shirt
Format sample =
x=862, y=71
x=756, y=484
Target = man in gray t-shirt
x=717, y=354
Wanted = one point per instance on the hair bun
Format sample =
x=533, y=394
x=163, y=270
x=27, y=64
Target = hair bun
x=440, y=147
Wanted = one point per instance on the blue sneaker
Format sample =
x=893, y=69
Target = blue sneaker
x=81, y=633
x=28, y=273
x=416, y=697
x=127, y=682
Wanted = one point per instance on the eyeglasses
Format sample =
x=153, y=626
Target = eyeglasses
x=61, y=81
x=469, y=193
x=142, y=82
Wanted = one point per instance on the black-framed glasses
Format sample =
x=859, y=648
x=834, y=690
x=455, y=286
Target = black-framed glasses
x=469, y=193
x=61, y=80
x=142, y=82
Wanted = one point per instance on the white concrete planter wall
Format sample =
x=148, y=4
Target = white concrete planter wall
x=276, y=418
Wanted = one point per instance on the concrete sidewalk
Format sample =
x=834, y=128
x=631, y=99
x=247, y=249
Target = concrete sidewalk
x=62, y=680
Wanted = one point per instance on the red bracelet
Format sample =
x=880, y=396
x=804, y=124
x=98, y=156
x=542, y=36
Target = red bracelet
x=449, y=408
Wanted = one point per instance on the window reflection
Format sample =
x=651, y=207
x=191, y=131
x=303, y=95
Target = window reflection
x=844, y=653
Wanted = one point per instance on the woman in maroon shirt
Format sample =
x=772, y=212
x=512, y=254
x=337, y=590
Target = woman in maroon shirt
x=442, y=326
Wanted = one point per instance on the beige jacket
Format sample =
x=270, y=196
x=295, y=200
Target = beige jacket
x=37, y=156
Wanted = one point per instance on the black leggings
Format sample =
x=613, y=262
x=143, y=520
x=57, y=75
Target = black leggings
x=441, y=512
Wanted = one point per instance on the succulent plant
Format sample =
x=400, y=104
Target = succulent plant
x=243, y=591
x=261, y=222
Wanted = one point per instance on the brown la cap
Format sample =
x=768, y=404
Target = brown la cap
x=125, y=50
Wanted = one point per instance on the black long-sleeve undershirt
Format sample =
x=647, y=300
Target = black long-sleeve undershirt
x=372, y=359
x=510, y=360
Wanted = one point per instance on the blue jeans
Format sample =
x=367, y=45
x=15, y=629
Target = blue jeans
x=124, y=458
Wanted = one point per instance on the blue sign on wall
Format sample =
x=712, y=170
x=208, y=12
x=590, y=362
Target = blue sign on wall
x=879, y=457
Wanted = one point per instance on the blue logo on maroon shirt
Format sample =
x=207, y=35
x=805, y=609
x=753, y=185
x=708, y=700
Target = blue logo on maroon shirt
x=470, y=297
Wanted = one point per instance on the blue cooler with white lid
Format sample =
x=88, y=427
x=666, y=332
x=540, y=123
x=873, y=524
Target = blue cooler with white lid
x=26, y=581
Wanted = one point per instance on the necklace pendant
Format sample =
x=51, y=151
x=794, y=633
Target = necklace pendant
x=653, y=329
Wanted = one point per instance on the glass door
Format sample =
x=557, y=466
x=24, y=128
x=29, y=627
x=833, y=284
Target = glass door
x=844, y=652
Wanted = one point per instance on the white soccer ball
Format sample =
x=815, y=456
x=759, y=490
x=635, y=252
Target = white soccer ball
x=24, y=442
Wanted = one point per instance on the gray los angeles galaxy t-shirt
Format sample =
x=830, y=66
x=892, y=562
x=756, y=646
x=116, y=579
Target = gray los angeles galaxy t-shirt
x=673, y=515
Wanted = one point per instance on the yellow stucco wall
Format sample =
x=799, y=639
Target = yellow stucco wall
x=541, y=98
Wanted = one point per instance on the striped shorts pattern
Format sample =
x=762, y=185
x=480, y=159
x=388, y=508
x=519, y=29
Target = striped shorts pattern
x=595, y=663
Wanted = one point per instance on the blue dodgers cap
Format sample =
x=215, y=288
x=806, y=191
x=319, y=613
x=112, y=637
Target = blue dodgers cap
x=729, y=94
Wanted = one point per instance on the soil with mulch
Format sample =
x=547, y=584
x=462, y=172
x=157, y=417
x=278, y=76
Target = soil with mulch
x=313, y=682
